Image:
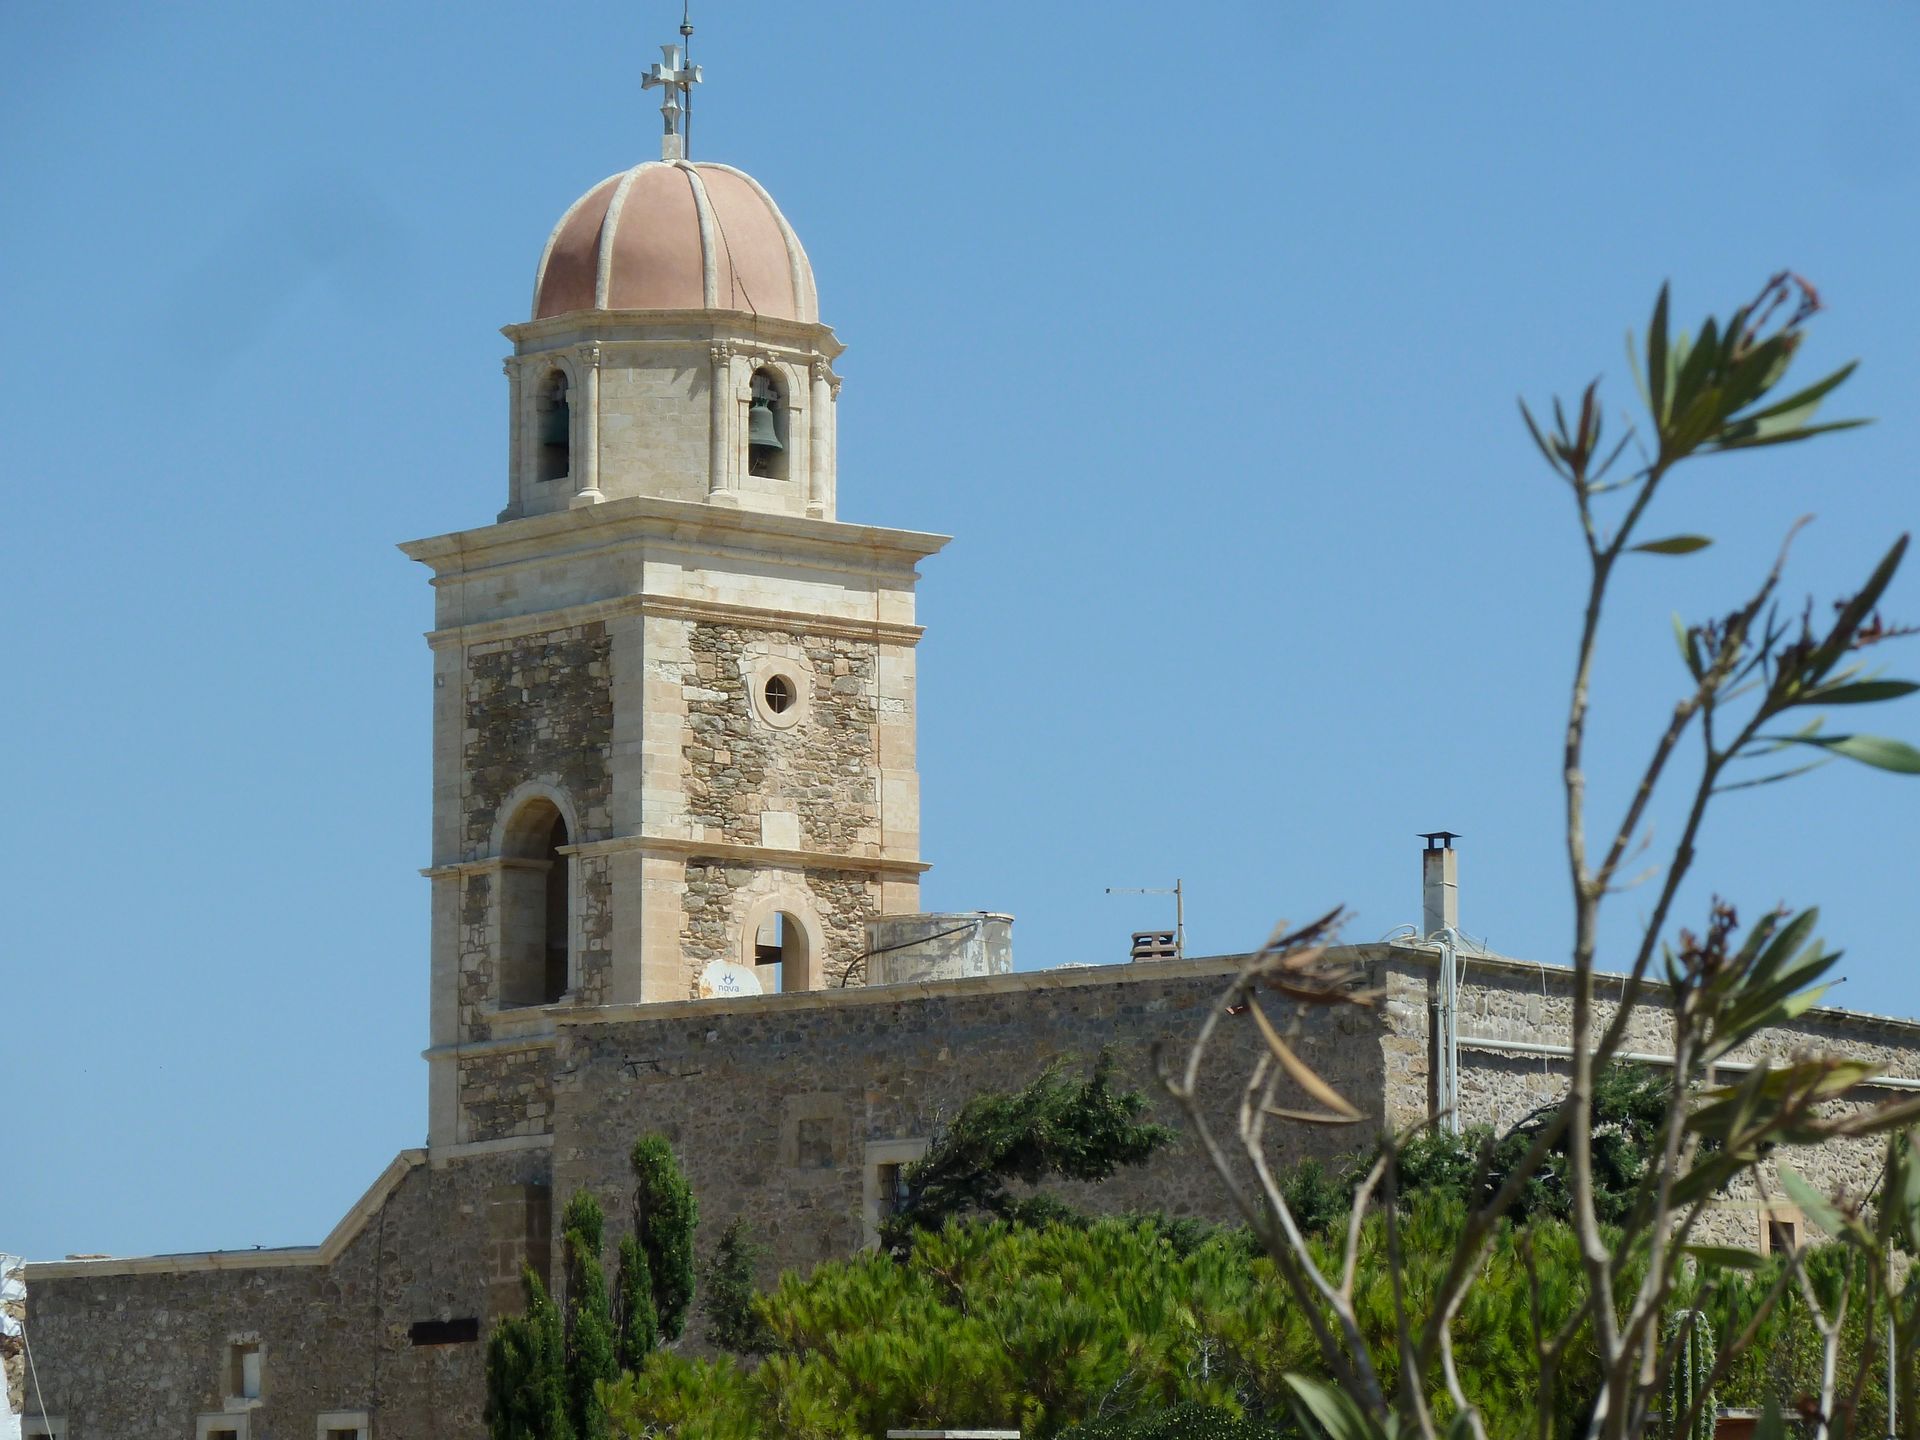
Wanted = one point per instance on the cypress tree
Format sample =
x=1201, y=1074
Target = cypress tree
x=589, y=1327
x=636, y=1326
x=664, y=1216
x=526, y=1371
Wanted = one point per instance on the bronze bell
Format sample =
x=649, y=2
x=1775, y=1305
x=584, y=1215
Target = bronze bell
x=556, y=425
x=763, y=431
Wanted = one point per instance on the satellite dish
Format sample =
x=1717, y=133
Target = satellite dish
x=723, y=978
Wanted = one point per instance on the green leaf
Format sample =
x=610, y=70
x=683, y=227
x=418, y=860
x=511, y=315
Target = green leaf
x=1771, y=1426
x=1772, y=779
x=1336, y=1413
x=1673, y=545
x=1802, y=399
x=1724, y=1257
x=1687, y=388
x=1657, y=361
x=1741, y=436
x=1860, y=692
x=1814, y=1205
x=1855, y=612
x=1539, y=439
x=1681, y=637
x=1875, y=750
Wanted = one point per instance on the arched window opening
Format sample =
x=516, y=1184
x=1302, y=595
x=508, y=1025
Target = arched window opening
x=767, y=427
x=780, y=954
x=556, y=428
x=535, y=887
x=556, y=914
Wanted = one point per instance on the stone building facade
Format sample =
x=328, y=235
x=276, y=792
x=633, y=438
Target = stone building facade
x=674, y=788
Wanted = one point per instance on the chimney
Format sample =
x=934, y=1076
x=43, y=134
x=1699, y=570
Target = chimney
x=1439, y=884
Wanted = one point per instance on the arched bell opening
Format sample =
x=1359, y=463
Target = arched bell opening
x=553, y=418
x=767, y=446
x=781, y=947
x=535, y=890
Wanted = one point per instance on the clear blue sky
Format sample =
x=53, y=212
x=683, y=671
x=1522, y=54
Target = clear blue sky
x=1199, y=325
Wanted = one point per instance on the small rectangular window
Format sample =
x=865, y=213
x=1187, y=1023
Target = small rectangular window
x=227, y=1425
x=341, y=1425
x=243, y=1370
x=444, y=1332
x=892, y=1190
x=43, y=1427
x=885, y=1181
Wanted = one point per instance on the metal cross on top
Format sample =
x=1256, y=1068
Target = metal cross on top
x=678, y=81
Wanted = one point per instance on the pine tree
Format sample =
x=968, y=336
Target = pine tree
x=589, y=1317
x=1080, y=1131
x=733, y=1321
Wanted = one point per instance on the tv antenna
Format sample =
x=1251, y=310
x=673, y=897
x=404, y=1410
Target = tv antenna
x=1179, y=909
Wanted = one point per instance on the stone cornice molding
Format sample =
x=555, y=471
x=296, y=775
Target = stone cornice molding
x=766, y=855
x=479, y=1049
x=658, y=327
x=639, y=520
x=763, y=855
x=325, y=1253
x=907, y=992
x=671, y=607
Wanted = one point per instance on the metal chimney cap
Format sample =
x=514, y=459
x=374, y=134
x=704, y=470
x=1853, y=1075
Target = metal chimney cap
x=1438, y=839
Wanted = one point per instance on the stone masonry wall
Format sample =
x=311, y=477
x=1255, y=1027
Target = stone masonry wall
x=719, y=893
x=1502, y=1000
x=823, y=769
x=137, y=1357
x=507, y=1093
x=538, y=705
x=771, y=1101
x=845, y=900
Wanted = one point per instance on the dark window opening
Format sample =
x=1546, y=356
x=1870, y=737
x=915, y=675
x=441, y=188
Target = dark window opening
x=534, y=890
x=556, y=967
x=556, y=428
x=243, y=1371
x=892, y=1190
x=779, y=694
x=444, y=1332
x=1783, y=1237
x=767, y=428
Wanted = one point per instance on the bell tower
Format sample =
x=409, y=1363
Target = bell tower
x=674, y=701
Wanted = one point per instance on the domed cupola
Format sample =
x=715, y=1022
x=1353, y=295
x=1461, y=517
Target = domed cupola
x=674, y=235
x=675, y=349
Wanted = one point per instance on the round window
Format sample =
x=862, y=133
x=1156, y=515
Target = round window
x=777, y=690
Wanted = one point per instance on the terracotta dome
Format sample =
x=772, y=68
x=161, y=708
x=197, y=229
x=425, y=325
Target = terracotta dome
x=675, y=235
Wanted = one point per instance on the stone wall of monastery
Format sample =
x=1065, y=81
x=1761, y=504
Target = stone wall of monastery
x=1505, y=1004
x=539, y=709
x=137, y=1356
x=774, y=1102
x=822, y=771
x=508, y=1091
